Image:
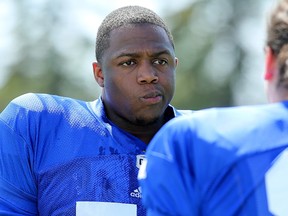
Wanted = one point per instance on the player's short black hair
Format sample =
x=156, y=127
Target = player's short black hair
x=125, y=16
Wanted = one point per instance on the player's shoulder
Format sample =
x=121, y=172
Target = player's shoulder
x=35, y=106
x=37, y=102
x=229, y=118
x=242, y=113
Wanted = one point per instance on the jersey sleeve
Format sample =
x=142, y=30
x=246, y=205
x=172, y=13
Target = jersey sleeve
x=166, y=178
x=17, y=184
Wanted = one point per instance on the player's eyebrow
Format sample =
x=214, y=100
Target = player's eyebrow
x=136, y=54
x=164, y=52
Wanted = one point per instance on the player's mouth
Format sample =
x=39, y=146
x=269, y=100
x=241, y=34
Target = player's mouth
x=152, y=98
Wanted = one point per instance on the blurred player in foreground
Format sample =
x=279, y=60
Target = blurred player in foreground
x=226, y=161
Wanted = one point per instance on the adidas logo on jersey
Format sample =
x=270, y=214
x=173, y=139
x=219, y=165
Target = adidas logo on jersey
x=136, y=193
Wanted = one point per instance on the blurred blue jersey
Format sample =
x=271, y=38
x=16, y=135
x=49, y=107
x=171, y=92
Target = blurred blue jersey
x=59, y=156
x=219, y=162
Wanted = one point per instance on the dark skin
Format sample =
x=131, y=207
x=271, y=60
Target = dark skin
x=137, y=76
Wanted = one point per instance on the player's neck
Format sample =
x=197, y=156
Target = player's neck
x=143, y=131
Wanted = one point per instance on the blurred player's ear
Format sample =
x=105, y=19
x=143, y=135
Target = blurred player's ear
x=270, y=64
x=98, y=75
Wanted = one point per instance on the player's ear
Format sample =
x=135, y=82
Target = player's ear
x=98, y=74
x=270, y=64
x=176, y=61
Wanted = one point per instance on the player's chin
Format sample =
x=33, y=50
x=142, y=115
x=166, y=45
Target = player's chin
x=150, y=115
x=148, y=119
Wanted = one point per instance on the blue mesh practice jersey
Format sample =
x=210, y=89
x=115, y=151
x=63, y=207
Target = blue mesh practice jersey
x=219, y=162
x=59, y=156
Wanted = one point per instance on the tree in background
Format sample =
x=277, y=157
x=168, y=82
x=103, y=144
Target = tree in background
x=217, y=43
x=43, y=52
x=215, y=57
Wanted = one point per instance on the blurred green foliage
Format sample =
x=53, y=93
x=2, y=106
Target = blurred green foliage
x=213, y=55
x=213, y=60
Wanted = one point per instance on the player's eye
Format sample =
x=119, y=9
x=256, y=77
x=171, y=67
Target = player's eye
x=160, y=61
x=129, y=63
